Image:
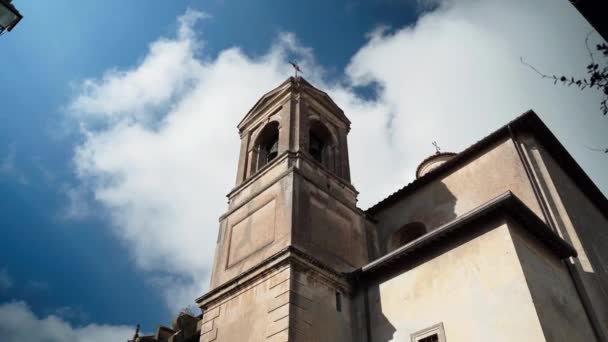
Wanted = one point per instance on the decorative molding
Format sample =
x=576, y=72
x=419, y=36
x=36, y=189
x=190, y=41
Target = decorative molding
x=208, y=325
x=436, y=329
x=288, y=256
x=505, y=205
x=236, y=254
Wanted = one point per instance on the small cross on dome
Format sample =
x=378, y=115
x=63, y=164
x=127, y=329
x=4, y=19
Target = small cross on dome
x=437, y=148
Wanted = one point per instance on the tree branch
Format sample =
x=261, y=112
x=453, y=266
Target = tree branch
x=521, y=59
x=588, y=48
x=603, y=150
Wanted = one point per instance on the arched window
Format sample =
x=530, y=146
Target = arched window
x=406, y=234
x=266, y=146
x=319, y=142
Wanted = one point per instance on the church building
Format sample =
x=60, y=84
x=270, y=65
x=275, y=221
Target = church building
x=505, y=241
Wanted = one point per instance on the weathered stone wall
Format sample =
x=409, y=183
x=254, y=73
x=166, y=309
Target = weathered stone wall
x=249, y=314
x=262, y=218
x=578, y=221
x=330, y=229
x=295, y=302
x=322, y=318
x=493, y=172
x=290, y=206
x=252, y=232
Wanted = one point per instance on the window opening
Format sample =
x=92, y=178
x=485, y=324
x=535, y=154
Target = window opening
x=435, y=333
x=432, y=338
x=319, y=140
x=267, y=146
x=338, y=301
x=273, y=150
x=316, y=147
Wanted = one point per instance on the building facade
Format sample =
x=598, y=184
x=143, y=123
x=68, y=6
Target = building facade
x=504, y=241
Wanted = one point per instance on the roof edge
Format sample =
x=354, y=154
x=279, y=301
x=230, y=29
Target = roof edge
x=507, y=204
x=283, y=256
x=444, y=168
x=298, y=83
x=528, y=122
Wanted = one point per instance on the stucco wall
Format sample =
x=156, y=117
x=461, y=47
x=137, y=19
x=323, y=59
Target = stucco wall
x=557, y=303
x=477, y=290
x=492, y=173
x=579, y=222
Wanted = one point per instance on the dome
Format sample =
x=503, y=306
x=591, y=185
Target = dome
x=433, y=162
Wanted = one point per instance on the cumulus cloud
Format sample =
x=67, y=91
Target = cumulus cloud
x=164, y=72
x=18, y=323
x=456, y=76
x=161, y=145
x=163, y=181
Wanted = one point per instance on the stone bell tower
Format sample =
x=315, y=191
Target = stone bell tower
x=292, y=227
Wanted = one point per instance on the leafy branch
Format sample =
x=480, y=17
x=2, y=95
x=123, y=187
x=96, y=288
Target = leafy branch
x=597, y=78
x=597, y=75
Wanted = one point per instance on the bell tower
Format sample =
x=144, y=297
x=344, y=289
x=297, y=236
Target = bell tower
x=292, y=226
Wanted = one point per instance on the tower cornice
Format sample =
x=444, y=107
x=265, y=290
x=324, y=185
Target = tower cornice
x=295, y=86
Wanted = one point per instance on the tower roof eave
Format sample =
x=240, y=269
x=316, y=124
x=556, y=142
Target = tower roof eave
x=291, y=84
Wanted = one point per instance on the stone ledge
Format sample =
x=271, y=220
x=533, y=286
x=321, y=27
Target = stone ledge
x=288, y=256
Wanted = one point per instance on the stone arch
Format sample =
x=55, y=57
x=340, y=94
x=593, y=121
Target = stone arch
x=322, y=144
x=266, y=146
x=406, y=234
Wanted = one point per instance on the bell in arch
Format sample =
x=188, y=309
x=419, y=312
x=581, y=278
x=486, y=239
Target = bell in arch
x=274, y=151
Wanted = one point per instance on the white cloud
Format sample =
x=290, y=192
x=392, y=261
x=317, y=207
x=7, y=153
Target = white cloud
x=164, y=181
x=135, y=94
x=165, y=153
x=456, y=76
x=18, y=323
x=6, y=281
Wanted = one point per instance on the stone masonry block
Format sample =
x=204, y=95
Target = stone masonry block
x=211, y=314
x=209, y=336
x=207, y=327
x=278, y=313
x=280, y=277
x=282, y=336
x=277, y=326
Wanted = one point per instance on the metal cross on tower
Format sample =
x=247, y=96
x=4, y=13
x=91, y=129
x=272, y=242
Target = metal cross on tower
x=296, y=67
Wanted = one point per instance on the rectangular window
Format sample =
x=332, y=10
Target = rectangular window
x=432, y=334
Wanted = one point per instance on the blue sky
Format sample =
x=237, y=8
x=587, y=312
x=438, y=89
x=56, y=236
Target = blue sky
x=55, y=261
x=98, y=99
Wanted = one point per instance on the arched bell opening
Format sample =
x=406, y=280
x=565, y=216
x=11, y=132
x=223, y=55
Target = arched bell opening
x=266, y=147
x=406, y=234
x=321, y=146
